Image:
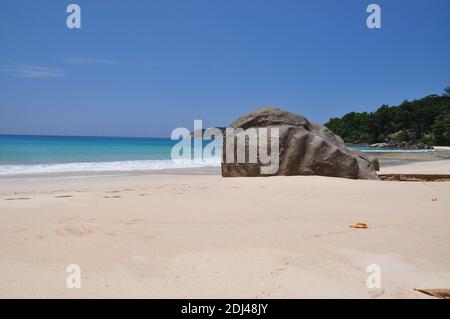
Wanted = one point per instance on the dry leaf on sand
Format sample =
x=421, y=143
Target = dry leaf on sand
x=360, y=226
x=439, y=293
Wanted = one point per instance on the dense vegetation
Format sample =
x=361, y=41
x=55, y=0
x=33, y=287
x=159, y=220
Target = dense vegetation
x=426, y=120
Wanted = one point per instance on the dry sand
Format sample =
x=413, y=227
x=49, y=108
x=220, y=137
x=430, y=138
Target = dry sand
x=202, y=236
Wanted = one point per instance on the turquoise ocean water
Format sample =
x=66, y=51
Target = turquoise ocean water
x=31, y=155
x=25, y=155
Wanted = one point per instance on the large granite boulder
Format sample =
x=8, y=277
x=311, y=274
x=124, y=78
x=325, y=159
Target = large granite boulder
x=305, y=148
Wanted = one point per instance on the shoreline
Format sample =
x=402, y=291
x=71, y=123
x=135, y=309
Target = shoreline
x=387, y=159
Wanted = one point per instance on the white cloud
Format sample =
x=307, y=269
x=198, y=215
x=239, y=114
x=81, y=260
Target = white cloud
x=31, y=71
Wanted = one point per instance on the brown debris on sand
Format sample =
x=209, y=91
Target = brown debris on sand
x=360, y=226
x=415, y=177
x=438, y=293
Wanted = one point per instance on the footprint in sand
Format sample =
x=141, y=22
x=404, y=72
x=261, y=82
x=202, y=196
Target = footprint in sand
x=111, y=234
x=131, y=221
x=69, y=219
x=376, y=293
x=79, y=231
x=63, y=196
x=116, y=196
x=146, y=237
x=18, y=198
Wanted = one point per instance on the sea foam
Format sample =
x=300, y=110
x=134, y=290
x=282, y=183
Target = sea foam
x=117, y=166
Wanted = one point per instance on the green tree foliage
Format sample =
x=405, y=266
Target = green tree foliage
x=426, y=119
x=441, y=129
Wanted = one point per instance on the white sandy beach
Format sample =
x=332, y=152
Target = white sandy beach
x=435, y=167
x=203, y=236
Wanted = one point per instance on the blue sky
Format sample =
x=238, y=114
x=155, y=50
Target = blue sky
x=143, y=68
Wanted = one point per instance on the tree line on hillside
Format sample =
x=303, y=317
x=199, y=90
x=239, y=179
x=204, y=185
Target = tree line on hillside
x=426, y=121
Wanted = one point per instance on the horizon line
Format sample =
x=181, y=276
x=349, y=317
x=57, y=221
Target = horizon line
x=102, y=136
